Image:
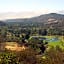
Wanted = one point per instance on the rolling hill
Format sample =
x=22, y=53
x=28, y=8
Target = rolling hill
x=41, y=18
x=54, y=19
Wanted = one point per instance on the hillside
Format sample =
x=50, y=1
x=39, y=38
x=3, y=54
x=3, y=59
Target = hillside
x=54, y=19
x=2, y=23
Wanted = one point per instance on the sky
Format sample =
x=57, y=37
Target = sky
x=22, y=8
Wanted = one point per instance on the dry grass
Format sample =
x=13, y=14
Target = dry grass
x=12, y=46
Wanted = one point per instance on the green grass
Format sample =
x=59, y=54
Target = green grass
x=60, y=42
x=57, y=43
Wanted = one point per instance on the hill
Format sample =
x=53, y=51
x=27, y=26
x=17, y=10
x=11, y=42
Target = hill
x=2, y=23
x=54, y=19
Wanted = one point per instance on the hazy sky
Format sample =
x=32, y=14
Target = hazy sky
x=34, y=6
x=30, y=5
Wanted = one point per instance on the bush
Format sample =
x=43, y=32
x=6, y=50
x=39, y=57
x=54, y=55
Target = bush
x=25, y=57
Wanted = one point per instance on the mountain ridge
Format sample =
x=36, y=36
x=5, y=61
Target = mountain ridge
x=46, y=20
x=40, y=18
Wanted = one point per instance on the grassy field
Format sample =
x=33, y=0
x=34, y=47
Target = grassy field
x=59, y=42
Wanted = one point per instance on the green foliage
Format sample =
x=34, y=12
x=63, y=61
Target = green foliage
x=53, y=56
x=29, y=56
x=25, y=57
x=7, y=58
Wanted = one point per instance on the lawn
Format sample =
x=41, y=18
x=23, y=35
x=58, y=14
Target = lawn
x=59, y=42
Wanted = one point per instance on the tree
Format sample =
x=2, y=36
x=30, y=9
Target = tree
x=44, y=32
x=23, y=39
